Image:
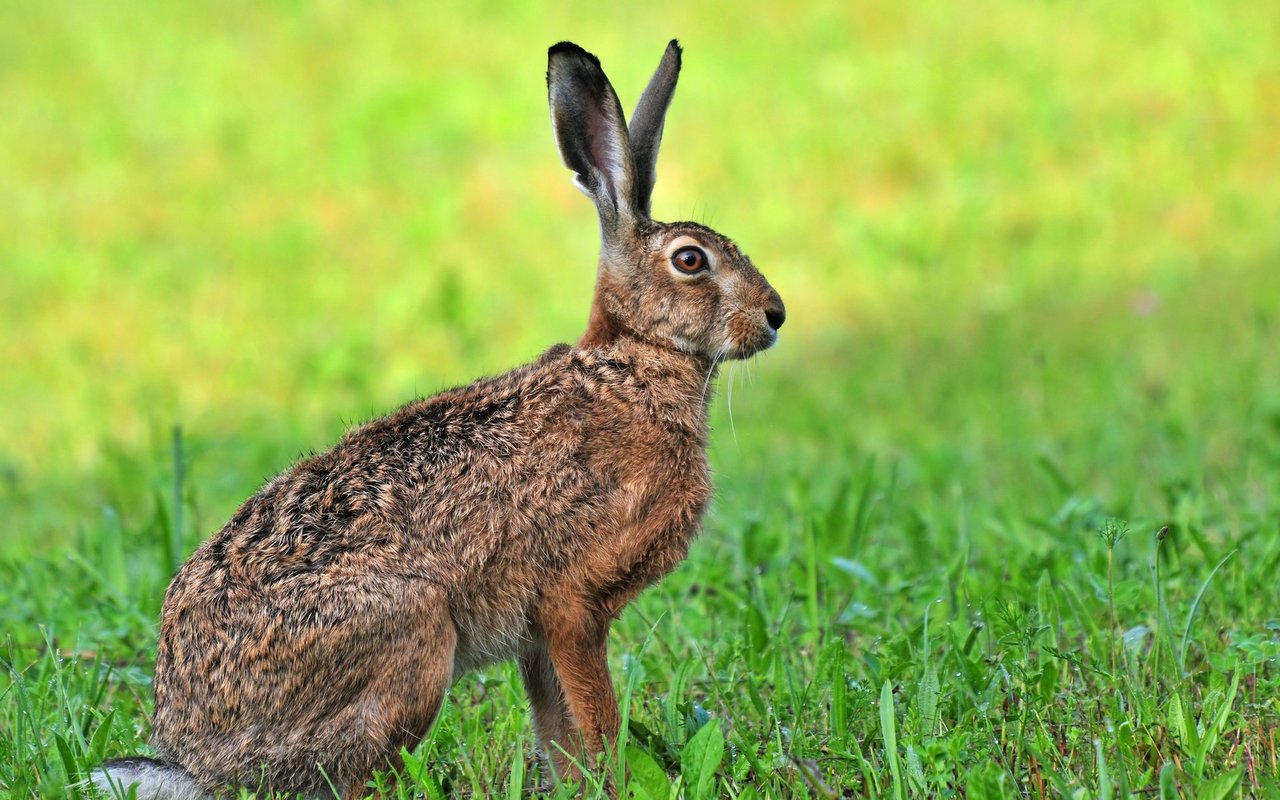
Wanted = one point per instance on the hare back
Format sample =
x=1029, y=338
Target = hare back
x=492, y=492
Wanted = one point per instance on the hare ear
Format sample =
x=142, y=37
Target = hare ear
x=591, y=132
x=646, y=124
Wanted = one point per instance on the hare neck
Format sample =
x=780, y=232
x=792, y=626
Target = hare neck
x=603, y=329
x=677, y=386
x=680, y=384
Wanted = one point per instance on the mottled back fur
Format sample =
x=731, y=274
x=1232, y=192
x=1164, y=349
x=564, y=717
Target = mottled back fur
x=512, y=518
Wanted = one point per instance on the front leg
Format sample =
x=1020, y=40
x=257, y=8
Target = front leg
x=551, y=717
x=576, y=637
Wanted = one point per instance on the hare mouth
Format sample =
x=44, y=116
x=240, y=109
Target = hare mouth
x=759, y=341
x=746, y=337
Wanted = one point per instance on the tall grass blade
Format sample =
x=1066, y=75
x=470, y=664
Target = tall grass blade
x=1105, y=790
x=889, y=730
x=1195, y=608
x=515, y=786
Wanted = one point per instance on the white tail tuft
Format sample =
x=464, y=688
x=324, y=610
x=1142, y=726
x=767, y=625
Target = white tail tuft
x=155, y=780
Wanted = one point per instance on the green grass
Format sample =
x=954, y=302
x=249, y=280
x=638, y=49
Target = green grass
x=1029, y=256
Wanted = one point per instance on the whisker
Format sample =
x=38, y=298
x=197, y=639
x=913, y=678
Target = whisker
x=729, y=402
x=716, y=358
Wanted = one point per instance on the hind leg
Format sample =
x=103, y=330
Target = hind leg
x=398, y=708
x=267, y=692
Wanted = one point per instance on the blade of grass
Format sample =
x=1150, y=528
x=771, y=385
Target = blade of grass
x=1195, y=608
x=889, y=730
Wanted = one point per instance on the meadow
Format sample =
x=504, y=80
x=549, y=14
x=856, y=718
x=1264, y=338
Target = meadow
x=998, y=517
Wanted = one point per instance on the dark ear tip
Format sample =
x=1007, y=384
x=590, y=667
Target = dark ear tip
x=570, y=50
x=674, y=50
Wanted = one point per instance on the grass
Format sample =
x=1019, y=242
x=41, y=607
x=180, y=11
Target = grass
x=999, y=517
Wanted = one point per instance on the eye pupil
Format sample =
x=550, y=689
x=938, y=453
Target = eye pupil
x=689, y=259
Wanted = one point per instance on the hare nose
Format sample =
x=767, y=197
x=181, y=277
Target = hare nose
x=776, y=314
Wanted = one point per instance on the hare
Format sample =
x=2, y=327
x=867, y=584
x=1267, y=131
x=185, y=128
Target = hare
x=317, y=632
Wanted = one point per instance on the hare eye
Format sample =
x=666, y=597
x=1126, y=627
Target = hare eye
x=689, y=260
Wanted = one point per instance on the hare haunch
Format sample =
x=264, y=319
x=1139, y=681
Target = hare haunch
x=512, y=518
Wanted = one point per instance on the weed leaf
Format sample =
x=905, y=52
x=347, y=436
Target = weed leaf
x=647, y=780
x=700, y=760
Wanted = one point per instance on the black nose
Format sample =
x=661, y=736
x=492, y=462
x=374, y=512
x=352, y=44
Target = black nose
x=776, y=314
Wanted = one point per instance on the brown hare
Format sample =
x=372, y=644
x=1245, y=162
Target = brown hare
x=316, y=634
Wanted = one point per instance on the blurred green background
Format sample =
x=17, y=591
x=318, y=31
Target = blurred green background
x=1031, y=258
x=265, y=222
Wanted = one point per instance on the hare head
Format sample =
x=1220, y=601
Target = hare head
x=674, y=284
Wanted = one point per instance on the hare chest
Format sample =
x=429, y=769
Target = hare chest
x=609, y=535
x=656, y=536
x=656, y=505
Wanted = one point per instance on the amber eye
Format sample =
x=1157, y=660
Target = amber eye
x=689, y=260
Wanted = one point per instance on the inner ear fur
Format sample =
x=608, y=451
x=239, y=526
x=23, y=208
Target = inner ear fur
x=591, y=132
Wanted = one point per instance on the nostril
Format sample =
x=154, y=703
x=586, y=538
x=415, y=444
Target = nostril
x=776, y=315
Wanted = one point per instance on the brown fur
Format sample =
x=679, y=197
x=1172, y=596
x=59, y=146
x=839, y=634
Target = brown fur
x=512, y=518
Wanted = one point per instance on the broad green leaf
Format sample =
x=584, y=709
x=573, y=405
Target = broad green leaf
x=928, y=700
x=1221, y=786
x=1168, y=786
x=700, y=760
x=68, y=760
x=98, y=745
x=647, y=780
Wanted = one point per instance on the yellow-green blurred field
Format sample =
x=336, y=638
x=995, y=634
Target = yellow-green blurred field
x=1031, y=258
